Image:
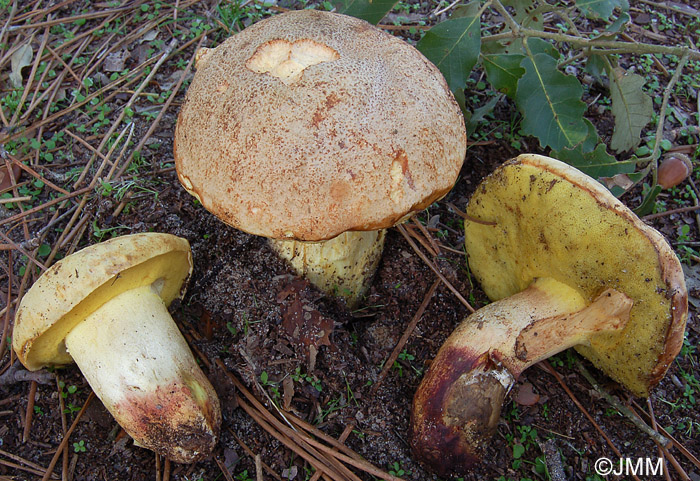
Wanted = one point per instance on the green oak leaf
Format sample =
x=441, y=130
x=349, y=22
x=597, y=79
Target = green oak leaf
x=473, y=120
x=370, y=10
x=598, y=163
x=631, y=107
x=550, y=103
x=538, y=45
x=503, y=72
x=453, y=46
x=595, y=65
x=601, y=8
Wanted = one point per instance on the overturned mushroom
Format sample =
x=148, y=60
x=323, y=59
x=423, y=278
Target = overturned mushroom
x=318, y=130
x=105, y=307
x=567, y=265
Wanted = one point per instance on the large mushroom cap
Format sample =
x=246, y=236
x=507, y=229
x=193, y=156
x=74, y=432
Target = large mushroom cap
x=542, y=218
x=309, y=124
x=74, y=287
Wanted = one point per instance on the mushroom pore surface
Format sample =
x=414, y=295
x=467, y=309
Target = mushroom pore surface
x=76, y=286
x=546, y=219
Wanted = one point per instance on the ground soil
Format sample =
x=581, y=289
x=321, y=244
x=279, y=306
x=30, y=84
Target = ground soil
x=235, y=308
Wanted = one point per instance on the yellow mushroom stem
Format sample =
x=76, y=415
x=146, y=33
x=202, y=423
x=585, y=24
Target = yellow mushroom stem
x=457, y=405
x=341, y=266
x=139, y=365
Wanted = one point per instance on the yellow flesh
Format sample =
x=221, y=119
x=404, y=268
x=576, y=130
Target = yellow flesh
x=340, y=266
x=544, y=227
x=78, y=285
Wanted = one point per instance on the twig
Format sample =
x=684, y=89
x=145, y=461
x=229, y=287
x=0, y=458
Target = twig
x=466, y=216
x=622, y=409
x=673, y=8
x=66, y=437
x=166, y=470
x=30, y=411
x=258, y=468
x=672, y=211
x=662, y=451
x=34, y=174
x=166, y=106
x=68, y=20
x=6, y=323
x=427, y=235
x=318, y=462
x=349, y=458
x=421, y=239
x=23, y=251
x=44, y=206
x=443, y=10
x=675, y=442
x=26, y=469
x=223, y=468
x=581, y=42
x=406, y=334
x=64, y=427
x=16, y=373
x=250, y=453
x=548, y=367
x=433, y=268
x=40, y=470
x=654, y=156
x=343, y=437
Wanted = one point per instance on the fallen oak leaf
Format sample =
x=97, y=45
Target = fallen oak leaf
x=21, y=58
x=301, y=321
x=6, y=179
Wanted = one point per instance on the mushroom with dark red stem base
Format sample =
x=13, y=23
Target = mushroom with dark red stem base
x=318, y=131
x=105, y=307
x=567, y=265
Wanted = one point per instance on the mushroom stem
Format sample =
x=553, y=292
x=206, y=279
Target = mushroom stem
x=341, y=266
x=138, y=363
x=457, y=406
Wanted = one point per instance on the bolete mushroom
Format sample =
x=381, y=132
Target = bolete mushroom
x=318, y=130
x=566, y=264
x=105, y=307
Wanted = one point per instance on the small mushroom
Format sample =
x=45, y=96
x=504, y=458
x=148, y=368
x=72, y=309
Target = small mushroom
x=105, y=307
x=566, y=265
x=318, y=130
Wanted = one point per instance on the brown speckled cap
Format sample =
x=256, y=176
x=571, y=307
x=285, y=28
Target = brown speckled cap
x=309, y=124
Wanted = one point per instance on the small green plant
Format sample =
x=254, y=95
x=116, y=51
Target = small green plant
x=231, y=328
x=272, y=386
x=395, y=469
x=405, y=358
x=100, y=233
x=685, y=251
x=300, y=377
x=333, y=405
x=243, y=476
x=688, y=348
x=79, y=447
x=38, y=410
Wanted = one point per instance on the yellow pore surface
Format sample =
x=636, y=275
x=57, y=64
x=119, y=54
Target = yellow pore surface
x=78, y=285
x=561, y=224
